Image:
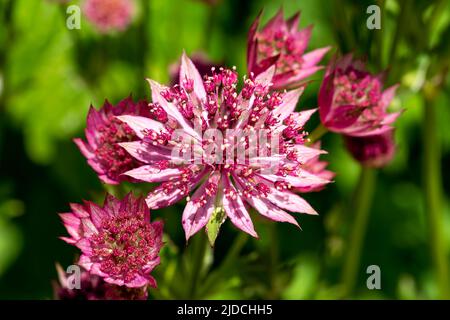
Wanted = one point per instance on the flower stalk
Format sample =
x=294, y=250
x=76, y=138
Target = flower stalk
x=433, y=201
x=361, y=207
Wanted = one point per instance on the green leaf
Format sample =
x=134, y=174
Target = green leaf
x=212, y=228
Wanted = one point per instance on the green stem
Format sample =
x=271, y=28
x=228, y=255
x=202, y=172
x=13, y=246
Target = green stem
x=361, y=205
x=433, y=201
x=317, y=134
x=274, y=261
x=226, y=264
x=199, y=245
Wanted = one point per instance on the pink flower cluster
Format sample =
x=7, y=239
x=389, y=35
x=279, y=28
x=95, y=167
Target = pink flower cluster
x=352, y=102
x=224, y=146
x=109, y=15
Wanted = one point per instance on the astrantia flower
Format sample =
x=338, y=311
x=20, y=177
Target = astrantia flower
x=117, y=241
x=352, y=100
x=281, y=43
x=109, y=15
x=93, y=287
x=103, y=132
x=207, y=140
x=372, y=151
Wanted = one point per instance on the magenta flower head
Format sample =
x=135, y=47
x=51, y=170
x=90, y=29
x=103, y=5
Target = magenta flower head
x=231, y=149
x=117, y=241
x=103, y=133
x=280, y=42
x=352, y=100
x=372, y=151
x=93, y=287
x=109, y=15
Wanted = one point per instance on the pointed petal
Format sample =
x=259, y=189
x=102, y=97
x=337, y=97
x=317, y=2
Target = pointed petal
x=235, y=210
x=289, y=103
x=189, y=71
x=141, y=124
x=312, y=58
x=153, y=174
x=196, y=216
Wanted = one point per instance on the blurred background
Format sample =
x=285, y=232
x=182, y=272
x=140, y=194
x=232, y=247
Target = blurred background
x=49, y=75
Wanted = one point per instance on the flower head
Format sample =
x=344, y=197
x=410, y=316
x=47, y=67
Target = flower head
x=103, y=133
x=372, y=151
x=352, y=100
x=280, y=42
x=109, y=15
x=117, y=241
x=93, y=287
x=207, y=146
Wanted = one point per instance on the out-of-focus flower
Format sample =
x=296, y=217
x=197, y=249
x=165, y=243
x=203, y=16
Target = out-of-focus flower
x=117, y=241
x=352, y=100
x=103, y=132
x=109, y=15
x=93, y=287
x=317, y=167
x=372, y=151
x=215, y=120
x=202, y=63
x=281, y=43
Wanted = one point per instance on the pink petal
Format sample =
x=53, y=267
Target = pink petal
x=146, y=152
x=85, y=149
x=141, y=124
x=235, y=210
x=289, y=103
x=304, y=153
x=290, y=201
x=387, y=96
x=189, y=71
x=312, y=58
x=271, y=211
x=196, y=217
x=171, y=109
x=72, y=224
x=153, y=174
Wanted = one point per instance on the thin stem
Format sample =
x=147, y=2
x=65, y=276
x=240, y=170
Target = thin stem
x=361, y=205
x=274, y=260
x=317, y=134
x=433, y=201
x=199, y=245
x=227, y=262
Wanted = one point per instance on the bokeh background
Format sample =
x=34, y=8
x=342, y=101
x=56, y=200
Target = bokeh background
x=49, y=75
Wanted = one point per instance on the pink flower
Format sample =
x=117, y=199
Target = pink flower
x=281, y=43
x=103, y=132
x=93, y=287
x=207, y=120
x=352, y=100
x=109, y=15
x=372, y=151
x=117, y=241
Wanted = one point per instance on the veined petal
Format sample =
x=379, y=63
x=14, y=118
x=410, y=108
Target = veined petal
x=141, y=124
x=189, y=71
x=235, y=210
x=196, y=215
x=149, y=173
